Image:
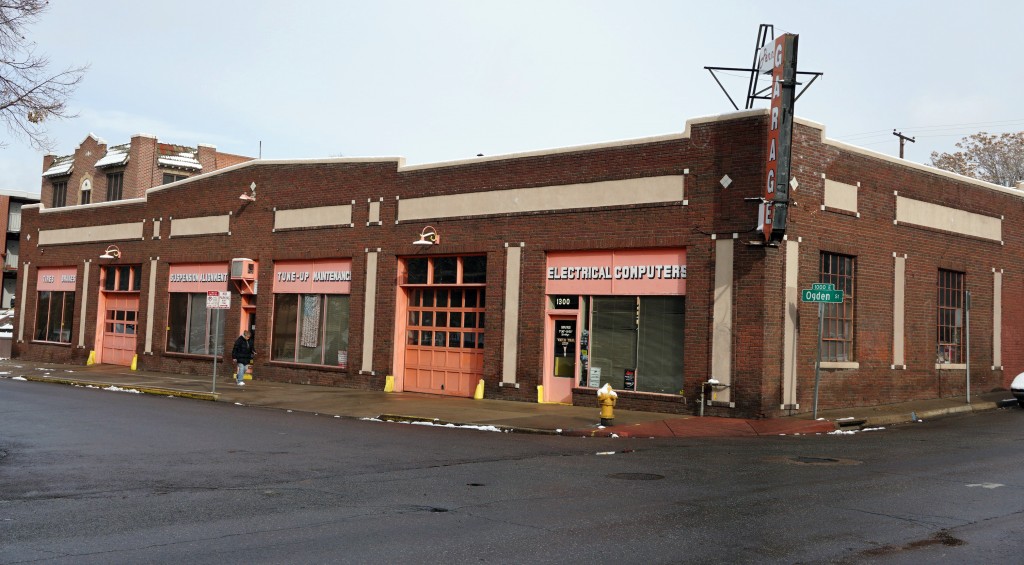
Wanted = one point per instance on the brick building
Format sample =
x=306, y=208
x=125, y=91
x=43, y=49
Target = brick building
x=547, y=274
x=98, y=173
x=11, y=202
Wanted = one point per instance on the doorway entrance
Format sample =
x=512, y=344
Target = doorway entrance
x=118, y=309
x=560, y=363
x=442, y=312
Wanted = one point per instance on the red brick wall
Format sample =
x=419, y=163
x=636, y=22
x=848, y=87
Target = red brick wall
x=714, y=149
x=873, y=239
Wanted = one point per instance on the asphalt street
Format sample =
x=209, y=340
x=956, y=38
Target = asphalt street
x=95, y=476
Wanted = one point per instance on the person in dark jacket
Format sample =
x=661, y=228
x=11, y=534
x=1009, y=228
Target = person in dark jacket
x=242, y=354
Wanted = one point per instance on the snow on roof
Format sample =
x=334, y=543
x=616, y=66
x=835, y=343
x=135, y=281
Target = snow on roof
x=61, y=166
x=116, y=155
x=182, y=160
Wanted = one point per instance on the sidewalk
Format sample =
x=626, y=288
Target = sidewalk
x=523, y=417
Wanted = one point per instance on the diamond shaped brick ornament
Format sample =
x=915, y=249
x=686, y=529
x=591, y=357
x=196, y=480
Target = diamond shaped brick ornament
x=726, y=181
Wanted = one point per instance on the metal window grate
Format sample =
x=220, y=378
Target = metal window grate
x=950, y=317
x=837, y=340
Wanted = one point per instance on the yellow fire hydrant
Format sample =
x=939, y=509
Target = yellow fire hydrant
x=606, y=397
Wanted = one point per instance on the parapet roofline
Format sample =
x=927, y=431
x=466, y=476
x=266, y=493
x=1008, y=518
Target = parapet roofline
x=686, y=134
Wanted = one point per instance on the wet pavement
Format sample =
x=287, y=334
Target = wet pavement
x=514, y=416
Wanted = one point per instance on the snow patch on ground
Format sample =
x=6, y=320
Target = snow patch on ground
x=119, y=389
x=439, y=425
x=18, y=378
x=851, y=432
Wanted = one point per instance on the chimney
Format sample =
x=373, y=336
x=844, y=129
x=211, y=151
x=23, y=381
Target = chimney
x=207, y=157
x=141, y=171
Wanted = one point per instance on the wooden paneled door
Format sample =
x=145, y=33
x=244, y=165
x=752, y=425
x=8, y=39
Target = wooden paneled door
x=120, y=328
x=444, y=344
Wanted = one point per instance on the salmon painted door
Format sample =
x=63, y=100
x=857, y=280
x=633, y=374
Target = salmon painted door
x=560, y=365
x=444, y=344
x=120, y=325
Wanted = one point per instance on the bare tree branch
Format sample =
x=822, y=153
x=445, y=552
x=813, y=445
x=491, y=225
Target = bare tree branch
x=30, y=94
x=994, y=158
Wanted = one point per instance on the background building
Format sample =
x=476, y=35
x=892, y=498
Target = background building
x=11, y=202
x=98, y=173
x=548, y=274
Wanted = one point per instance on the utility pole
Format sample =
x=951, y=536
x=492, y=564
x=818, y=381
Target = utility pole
x=903, y=140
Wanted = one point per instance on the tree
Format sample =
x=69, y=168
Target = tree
x=994, y=158
x=30, y=94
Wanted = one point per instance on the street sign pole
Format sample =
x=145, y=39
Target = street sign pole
x=817, y=358
x=821, y=293
x=217, y=301
x=967, y=344
x=216, y=318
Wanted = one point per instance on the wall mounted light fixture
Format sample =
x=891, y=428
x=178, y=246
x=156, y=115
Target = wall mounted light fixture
x=251, y=197
x=112, y=252
x=428, y=236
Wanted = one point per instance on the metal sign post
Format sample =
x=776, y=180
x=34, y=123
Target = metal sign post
x=817, y=358
x=821, y=293
x=217, y=301
x=967, y=344
x=216, y=318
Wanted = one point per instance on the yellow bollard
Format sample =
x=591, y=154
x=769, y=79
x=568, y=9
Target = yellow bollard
x=92, y=358
x=540, y=394
x=389, y=383
x=606, y=398
x=479, y=394
x=135, y=362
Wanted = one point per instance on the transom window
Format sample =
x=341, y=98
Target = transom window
x=837, y=338
x=950, y=317
x=122, y=278
x=446, y=270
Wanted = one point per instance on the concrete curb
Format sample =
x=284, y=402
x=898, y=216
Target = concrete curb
x=211, y=396
x=890, y=419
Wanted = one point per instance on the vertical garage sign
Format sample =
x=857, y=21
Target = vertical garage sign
x=779, y=60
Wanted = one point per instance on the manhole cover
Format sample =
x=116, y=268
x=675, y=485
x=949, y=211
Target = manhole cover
x=636, y=476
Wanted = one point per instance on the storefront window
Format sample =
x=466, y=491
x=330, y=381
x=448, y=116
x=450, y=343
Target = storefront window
x=193, y=328
x=311, y=329
x=54, y=316
x=642, y=335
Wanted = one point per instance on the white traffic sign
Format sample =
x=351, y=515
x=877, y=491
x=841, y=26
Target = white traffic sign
x=218, y=300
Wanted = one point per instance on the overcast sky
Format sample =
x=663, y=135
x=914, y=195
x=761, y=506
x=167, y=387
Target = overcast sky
x=448, y=79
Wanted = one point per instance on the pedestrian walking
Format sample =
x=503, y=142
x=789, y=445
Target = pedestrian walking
x=242, y=354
